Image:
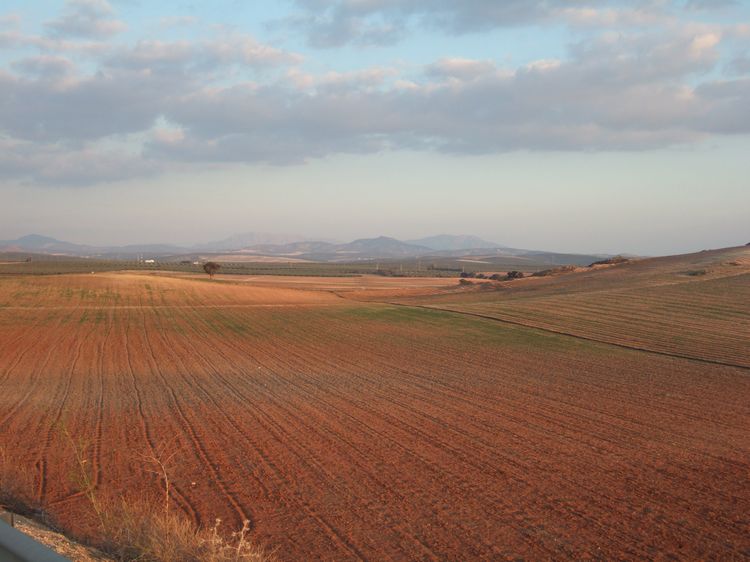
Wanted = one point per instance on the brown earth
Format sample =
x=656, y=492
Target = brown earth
x=361, y=430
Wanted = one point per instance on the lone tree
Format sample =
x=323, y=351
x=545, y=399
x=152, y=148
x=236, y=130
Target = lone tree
x=211, y=267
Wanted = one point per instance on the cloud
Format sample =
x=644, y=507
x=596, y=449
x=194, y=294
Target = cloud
x=375, y=22
x=617, y=93
x=741, y=64
x=86, y=18
x=45, y=66
x=83, y=111
x=460, y=68
x=196, y=56
x=59, y=165
x=638, y=16
x=78, y=109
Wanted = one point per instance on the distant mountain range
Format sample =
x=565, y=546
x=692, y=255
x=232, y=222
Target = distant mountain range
x=247, y=239
x=452, y=242
x=245, y=246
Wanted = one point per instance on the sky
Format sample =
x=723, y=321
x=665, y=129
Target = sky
x=565, y=125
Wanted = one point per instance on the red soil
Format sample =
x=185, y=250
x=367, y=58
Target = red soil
x=348, y=430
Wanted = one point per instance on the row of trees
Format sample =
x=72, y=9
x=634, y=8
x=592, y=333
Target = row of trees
x=495, y=277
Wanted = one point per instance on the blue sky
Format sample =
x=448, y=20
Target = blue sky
x=567, y=125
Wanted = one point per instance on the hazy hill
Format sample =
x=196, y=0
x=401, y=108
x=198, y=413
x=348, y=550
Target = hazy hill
x=250, y=239
x=42, y=244
x=453, y=242
x=288, y=245
x=294, y=248
x=36, y=243
x=381, y=246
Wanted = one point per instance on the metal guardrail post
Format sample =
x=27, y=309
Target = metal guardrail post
x=16, y=546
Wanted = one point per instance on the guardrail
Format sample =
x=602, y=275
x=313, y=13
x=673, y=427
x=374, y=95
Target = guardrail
x=16, y=546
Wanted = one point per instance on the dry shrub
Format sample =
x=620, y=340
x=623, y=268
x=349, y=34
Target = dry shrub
x=147, y=528
x=142, y=530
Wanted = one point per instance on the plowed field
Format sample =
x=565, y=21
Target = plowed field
x=349, y=430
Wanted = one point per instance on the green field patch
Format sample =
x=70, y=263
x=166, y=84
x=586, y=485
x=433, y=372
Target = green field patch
x=221, y=324
x=456, y=328
x=396, y=314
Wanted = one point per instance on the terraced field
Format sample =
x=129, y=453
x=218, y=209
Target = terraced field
x=369, y=431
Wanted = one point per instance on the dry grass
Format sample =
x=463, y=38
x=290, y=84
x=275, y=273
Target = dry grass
x=139, y=530
x=146, y=530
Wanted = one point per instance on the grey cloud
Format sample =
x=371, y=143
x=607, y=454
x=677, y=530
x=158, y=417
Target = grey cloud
x=334, y=23
x=331, y=23
x=741, y=64
x=600, y=100
x=82, y=109
x=625, y=91
x=59, y=165
x=126, y=95
x=460, y=68
x=86, y=18
x=727, y=106
x=45, y=66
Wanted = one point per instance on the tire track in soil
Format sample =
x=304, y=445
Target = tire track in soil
x=331, y=530
x=177, y=351
x=412, y=430
x=38, y=464
x=584, y=412
x=310, y=412
x=33, y=376
x=189, y=430
x=380, y=434
x=47, y=440
x=283, y=436
x=315, y=397
x=96, y=444
x=179, y=496
x=578, y=433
